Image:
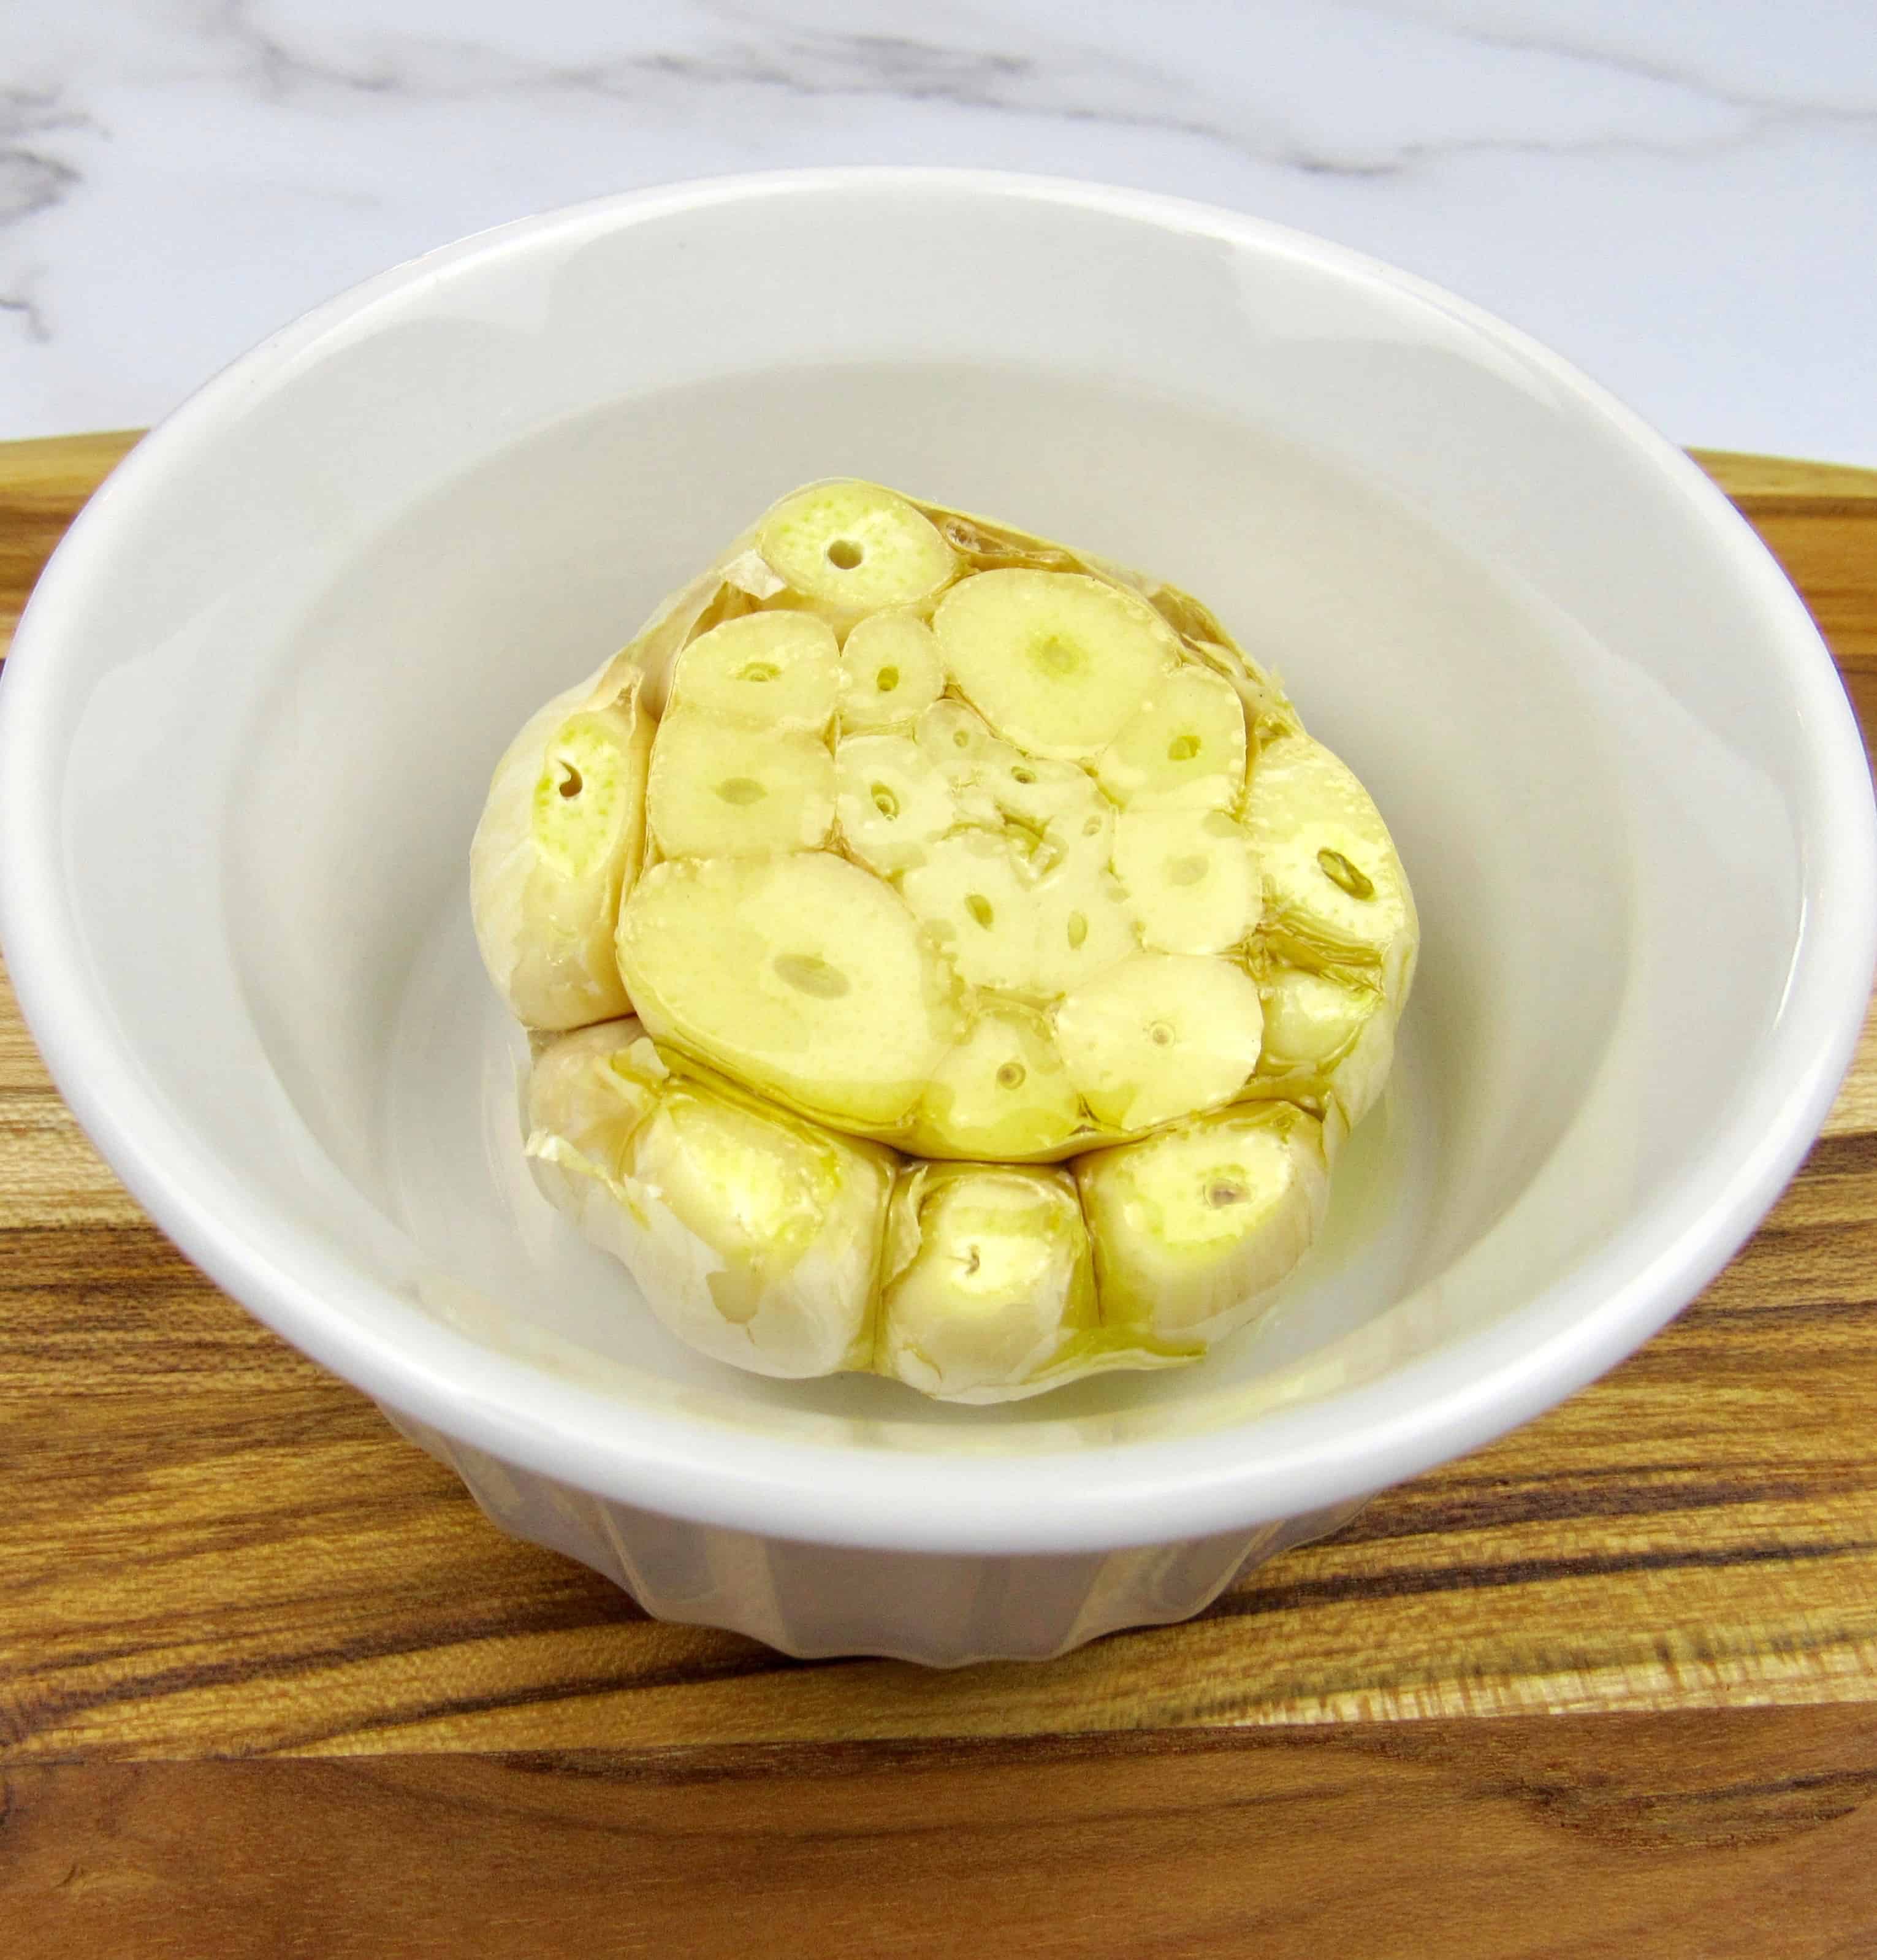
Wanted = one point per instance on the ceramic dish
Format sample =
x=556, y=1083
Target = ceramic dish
x=250, y=714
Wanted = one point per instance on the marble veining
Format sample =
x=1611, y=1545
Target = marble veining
x=1680, y=199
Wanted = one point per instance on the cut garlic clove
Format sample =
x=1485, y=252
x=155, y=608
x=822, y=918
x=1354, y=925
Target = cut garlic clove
x=1189, y=879
x=804, y=976
x=562, y=838
x=720, y=790
x=1194, y=1228
x=1057, y=662
x=890, y=672
x=1160, y=1035
x=1000, y=1093
x=1184, y=746
x=892, y=805
x=1334, y=892
x=777, y=672
x=849, y=548
x=970, y=894
x=989, y=1271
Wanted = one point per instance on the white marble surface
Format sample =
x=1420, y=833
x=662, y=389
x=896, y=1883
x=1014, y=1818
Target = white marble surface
x=1682, y=198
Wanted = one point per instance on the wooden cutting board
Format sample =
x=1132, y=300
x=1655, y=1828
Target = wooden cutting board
x=269, y=1684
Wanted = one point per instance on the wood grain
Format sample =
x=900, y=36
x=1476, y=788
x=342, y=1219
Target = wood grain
x=215, y=1548
x=1570, y=1838
x=1621, y=1666
x=42, y=483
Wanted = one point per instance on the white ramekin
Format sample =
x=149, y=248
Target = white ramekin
x=249, y=716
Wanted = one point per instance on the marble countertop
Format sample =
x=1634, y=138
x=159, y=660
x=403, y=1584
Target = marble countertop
x=1682, y=200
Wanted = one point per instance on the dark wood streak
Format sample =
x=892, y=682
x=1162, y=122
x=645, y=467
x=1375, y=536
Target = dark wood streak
x=750, y=1661
x=1558, y=1737
x=43, y=484
x=535, y=1690
x=576, y=1609
x=1530, y=1571
x=1853, y=1155
x=1563, y=1495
